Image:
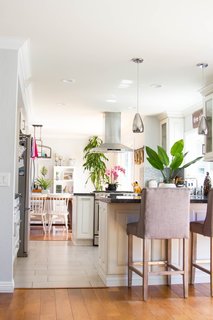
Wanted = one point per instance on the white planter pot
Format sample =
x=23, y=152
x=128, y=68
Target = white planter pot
x=166, y=185
x=45, y=191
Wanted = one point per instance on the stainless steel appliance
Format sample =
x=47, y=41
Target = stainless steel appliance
x=24, y=191
x=99, y=195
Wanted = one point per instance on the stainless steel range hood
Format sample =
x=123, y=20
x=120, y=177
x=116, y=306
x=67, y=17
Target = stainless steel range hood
x=112, y=135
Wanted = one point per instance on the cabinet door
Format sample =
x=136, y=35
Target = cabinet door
x=208, y=112
x=163, y=134
x=85, y=217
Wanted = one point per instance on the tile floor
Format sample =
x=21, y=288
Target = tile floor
x=57, y=264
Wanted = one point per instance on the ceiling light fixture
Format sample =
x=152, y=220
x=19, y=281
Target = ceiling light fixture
x=69, y=81
x=137, y=126
x=203, y=126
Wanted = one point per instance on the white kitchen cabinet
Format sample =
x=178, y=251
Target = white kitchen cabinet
x=63, y=179
x=171, y=130
x=208, y=110
x=16, y=227
x=83, y=219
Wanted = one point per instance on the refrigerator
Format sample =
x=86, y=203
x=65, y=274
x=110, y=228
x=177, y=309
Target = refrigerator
x=24, y=189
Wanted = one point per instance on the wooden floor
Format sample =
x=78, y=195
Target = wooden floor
x=57, y=233
x=107, y=303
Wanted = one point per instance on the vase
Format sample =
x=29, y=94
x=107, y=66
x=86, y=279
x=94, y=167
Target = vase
x=111, y=187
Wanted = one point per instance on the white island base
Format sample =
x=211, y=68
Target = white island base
x=113, y=251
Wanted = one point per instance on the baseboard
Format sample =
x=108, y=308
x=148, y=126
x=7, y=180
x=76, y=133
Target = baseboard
x=6, y=286
x=82, y=242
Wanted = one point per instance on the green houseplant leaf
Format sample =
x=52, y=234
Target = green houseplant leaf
x=177, y=147
x=163, y=156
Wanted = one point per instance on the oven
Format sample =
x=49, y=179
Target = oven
x=96, y=223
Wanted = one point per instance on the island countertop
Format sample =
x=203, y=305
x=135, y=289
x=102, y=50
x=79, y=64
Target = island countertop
x=136, y=199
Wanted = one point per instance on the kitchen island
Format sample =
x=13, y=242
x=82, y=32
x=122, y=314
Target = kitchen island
x=115, y=212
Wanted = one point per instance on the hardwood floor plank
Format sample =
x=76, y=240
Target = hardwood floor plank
x=63, y=306
x=78, y=305
x=48, y=304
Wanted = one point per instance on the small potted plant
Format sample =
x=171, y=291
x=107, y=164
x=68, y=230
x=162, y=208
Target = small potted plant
x=169, y=167
x=112, y=176
x=42, y=182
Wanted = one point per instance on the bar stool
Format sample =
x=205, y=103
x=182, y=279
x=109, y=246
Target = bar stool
x=164, y=214
x=205, y=228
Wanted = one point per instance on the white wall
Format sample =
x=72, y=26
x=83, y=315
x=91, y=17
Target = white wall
x=8, y=103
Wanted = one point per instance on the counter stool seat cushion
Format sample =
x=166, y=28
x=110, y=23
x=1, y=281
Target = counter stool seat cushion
x=132, y=228
x=197, y=226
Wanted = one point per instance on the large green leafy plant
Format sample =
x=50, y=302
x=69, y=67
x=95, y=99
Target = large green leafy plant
x=95, y=163
x=169, y=167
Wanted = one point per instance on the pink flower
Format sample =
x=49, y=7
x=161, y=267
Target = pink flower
x=113, y=173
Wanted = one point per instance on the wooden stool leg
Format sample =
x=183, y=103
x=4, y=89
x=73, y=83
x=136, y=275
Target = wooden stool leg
x=130, y=249
x=185, y=268
x=146, y=243
x=169, y=257
x=193, y=256
x=211, y=266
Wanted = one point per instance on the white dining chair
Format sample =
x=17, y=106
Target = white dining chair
x=38, y=210
x=58, y=210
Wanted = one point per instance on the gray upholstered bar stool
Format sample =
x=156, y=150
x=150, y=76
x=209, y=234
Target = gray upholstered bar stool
x=205, y=228
x=164, y=214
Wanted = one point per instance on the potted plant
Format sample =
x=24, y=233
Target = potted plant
x=112, y=176
x=95, y=163
x=42, y=182
x=169, y=168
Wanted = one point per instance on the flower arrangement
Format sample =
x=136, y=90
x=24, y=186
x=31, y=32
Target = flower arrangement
x=113, y=174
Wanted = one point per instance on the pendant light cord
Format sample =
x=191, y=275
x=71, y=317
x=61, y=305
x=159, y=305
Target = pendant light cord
x=137, y=87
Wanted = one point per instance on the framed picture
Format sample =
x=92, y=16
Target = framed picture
x=68, y=175
x=58, y=188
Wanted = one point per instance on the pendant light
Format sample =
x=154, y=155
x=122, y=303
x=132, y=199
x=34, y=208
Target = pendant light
x=137, y=126
x=203, y=126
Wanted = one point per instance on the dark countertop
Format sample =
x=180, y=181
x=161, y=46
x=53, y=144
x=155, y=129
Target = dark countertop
x=198, y=199
x=91, y=194
x=137, y=199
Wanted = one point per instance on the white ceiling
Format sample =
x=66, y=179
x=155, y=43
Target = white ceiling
x=93, y=41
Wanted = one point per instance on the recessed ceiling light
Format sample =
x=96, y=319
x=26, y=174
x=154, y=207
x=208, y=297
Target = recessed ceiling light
x=111, y=100
x=70, y=81
x=156, y=85
x=126, y=81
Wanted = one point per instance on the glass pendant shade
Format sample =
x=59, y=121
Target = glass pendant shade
x=137, y=126
x=203, y=127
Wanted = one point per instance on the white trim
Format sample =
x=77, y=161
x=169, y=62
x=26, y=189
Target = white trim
x=6, y=286
x=24, y=75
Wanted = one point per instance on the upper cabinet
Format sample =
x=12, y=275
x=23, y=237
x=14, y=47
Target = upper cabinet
x=207, y=92
x=208, y=109
x=171, y=129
